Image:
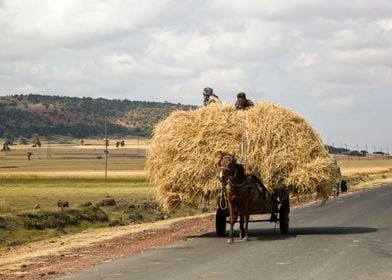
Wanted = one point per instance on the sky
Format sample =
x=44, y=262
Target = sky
x=330, y=61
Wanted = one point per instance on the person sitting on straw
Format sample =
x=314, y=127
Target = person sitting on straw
x=209, y=96
x=242, y=102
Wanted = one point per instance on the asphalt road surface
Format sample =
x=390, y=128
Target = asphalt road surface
x=349, y=237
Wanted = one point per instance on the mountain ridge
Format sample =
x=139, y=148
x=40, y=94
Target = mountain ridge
x=25, y=115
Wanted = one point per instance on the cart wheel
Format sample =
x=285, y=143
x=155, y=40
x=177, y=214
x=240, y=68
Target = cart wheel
x=220, y=222
x=284, y=217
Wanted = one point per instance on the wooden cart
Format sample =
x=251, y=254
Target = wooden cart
x=278, y=205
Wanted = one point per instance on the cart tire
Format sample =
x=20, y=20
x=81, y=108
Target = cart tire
x=220, y=222
x=284, y=217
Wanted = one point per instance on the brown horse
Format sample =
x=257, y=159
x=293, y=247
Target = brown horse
x=241, y=189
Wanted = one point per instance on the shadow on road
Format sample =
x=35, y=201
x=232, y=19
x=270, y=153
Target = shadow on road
x=274, y=234
x=330, y=230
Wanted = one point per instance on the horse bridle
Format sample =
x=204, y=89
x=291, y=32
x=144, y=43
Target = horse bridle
x=232, y=170
x=227, y=180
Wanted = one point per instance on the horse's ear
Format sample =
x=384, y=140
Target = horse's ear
x=219, y=162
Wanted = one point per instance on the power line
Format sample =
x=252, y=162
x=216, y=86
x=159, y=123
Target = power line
x=106, y=152
x=49, y=151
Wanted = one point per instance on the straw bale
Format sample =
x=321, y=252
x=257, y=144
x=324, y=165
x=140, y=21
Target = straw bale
x=281, y=148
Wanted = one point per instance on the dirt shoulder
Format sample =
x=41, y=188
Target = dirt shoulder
x=45, y=259
x=66, y=254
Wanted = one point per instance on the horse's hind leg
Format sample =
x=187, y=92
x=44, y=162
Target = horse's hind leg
x=246, y=225
x=246, y=215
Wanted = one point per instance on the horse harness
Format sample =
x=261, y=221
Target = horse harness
x=233, y=173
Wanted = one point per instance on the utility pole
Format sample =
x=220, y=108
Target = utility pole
x=137, y=150
x=347, y=151
x=106, y=152
x=49, y=150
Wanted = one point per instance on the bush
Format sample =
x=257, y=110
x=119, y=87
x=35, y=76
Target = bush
x=41, y=220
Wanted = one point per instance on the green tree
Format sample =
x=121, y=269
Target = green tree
x=9, y=141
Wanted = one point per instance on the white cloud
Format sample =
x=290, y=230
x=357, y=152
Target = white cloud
x=305, y=53
x=29, y=27
x=256, y=40
x=334, y=103
x=124, y=65
x=301, y=10
x=385, y=24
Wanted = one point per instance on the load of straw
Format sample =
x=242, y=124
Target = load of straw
x=275, y=143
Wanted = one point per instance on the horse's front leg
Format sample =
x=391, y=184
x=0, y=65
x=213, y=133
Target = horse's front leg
x=242, y=230
x=233, y=219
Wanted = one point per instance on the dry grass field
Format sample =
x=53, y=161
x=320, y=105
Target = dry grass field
x=75, y=160
x=76, y=173
x=72, y=172
x=371, y=164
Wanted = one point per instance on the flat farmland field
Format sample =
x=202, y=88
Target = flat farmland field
x=30, y=189
x=75, y=160
x=370, y=164
x=72, y=172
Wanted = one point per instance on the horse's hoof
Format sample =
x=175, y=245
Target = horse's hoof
x=246, y=238
x=230, y=240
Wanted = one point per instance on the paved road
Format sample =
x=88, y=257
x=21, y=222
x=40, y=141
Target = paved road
x=348, y=238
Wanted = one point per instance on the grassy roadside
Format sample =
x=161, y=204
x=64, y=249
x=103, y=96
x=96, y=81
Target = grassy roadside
x=30, y=189
x=20, y=223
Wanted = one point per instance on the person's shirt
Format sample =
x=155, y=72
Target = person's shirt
x=248, y=104
x=207, y=98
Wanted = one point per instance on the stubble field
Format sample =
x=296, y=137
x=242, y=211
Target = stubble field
x=76, y=173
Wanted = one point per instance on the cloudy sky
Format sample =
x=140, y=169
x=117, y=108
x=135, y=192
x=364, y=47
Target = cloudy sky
x=331, y=60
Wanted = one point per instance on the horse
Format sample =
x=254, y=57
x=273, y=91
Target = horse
x=242, y=188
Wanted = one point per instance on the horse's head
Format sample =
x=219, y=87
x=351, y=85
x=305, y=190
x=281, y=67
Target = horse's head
x=227, y=167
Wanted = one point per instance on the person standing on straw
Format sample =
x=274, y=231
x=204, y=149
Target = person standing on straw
x=209, y=96
x=242, y=102
x=338, y=176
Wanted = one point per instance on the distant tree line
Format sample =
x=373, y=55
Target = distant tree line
x=343, y=151
x=25, y=115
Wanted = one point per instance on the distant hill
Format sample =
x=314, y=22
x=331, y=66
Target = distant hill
x=25, y=115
